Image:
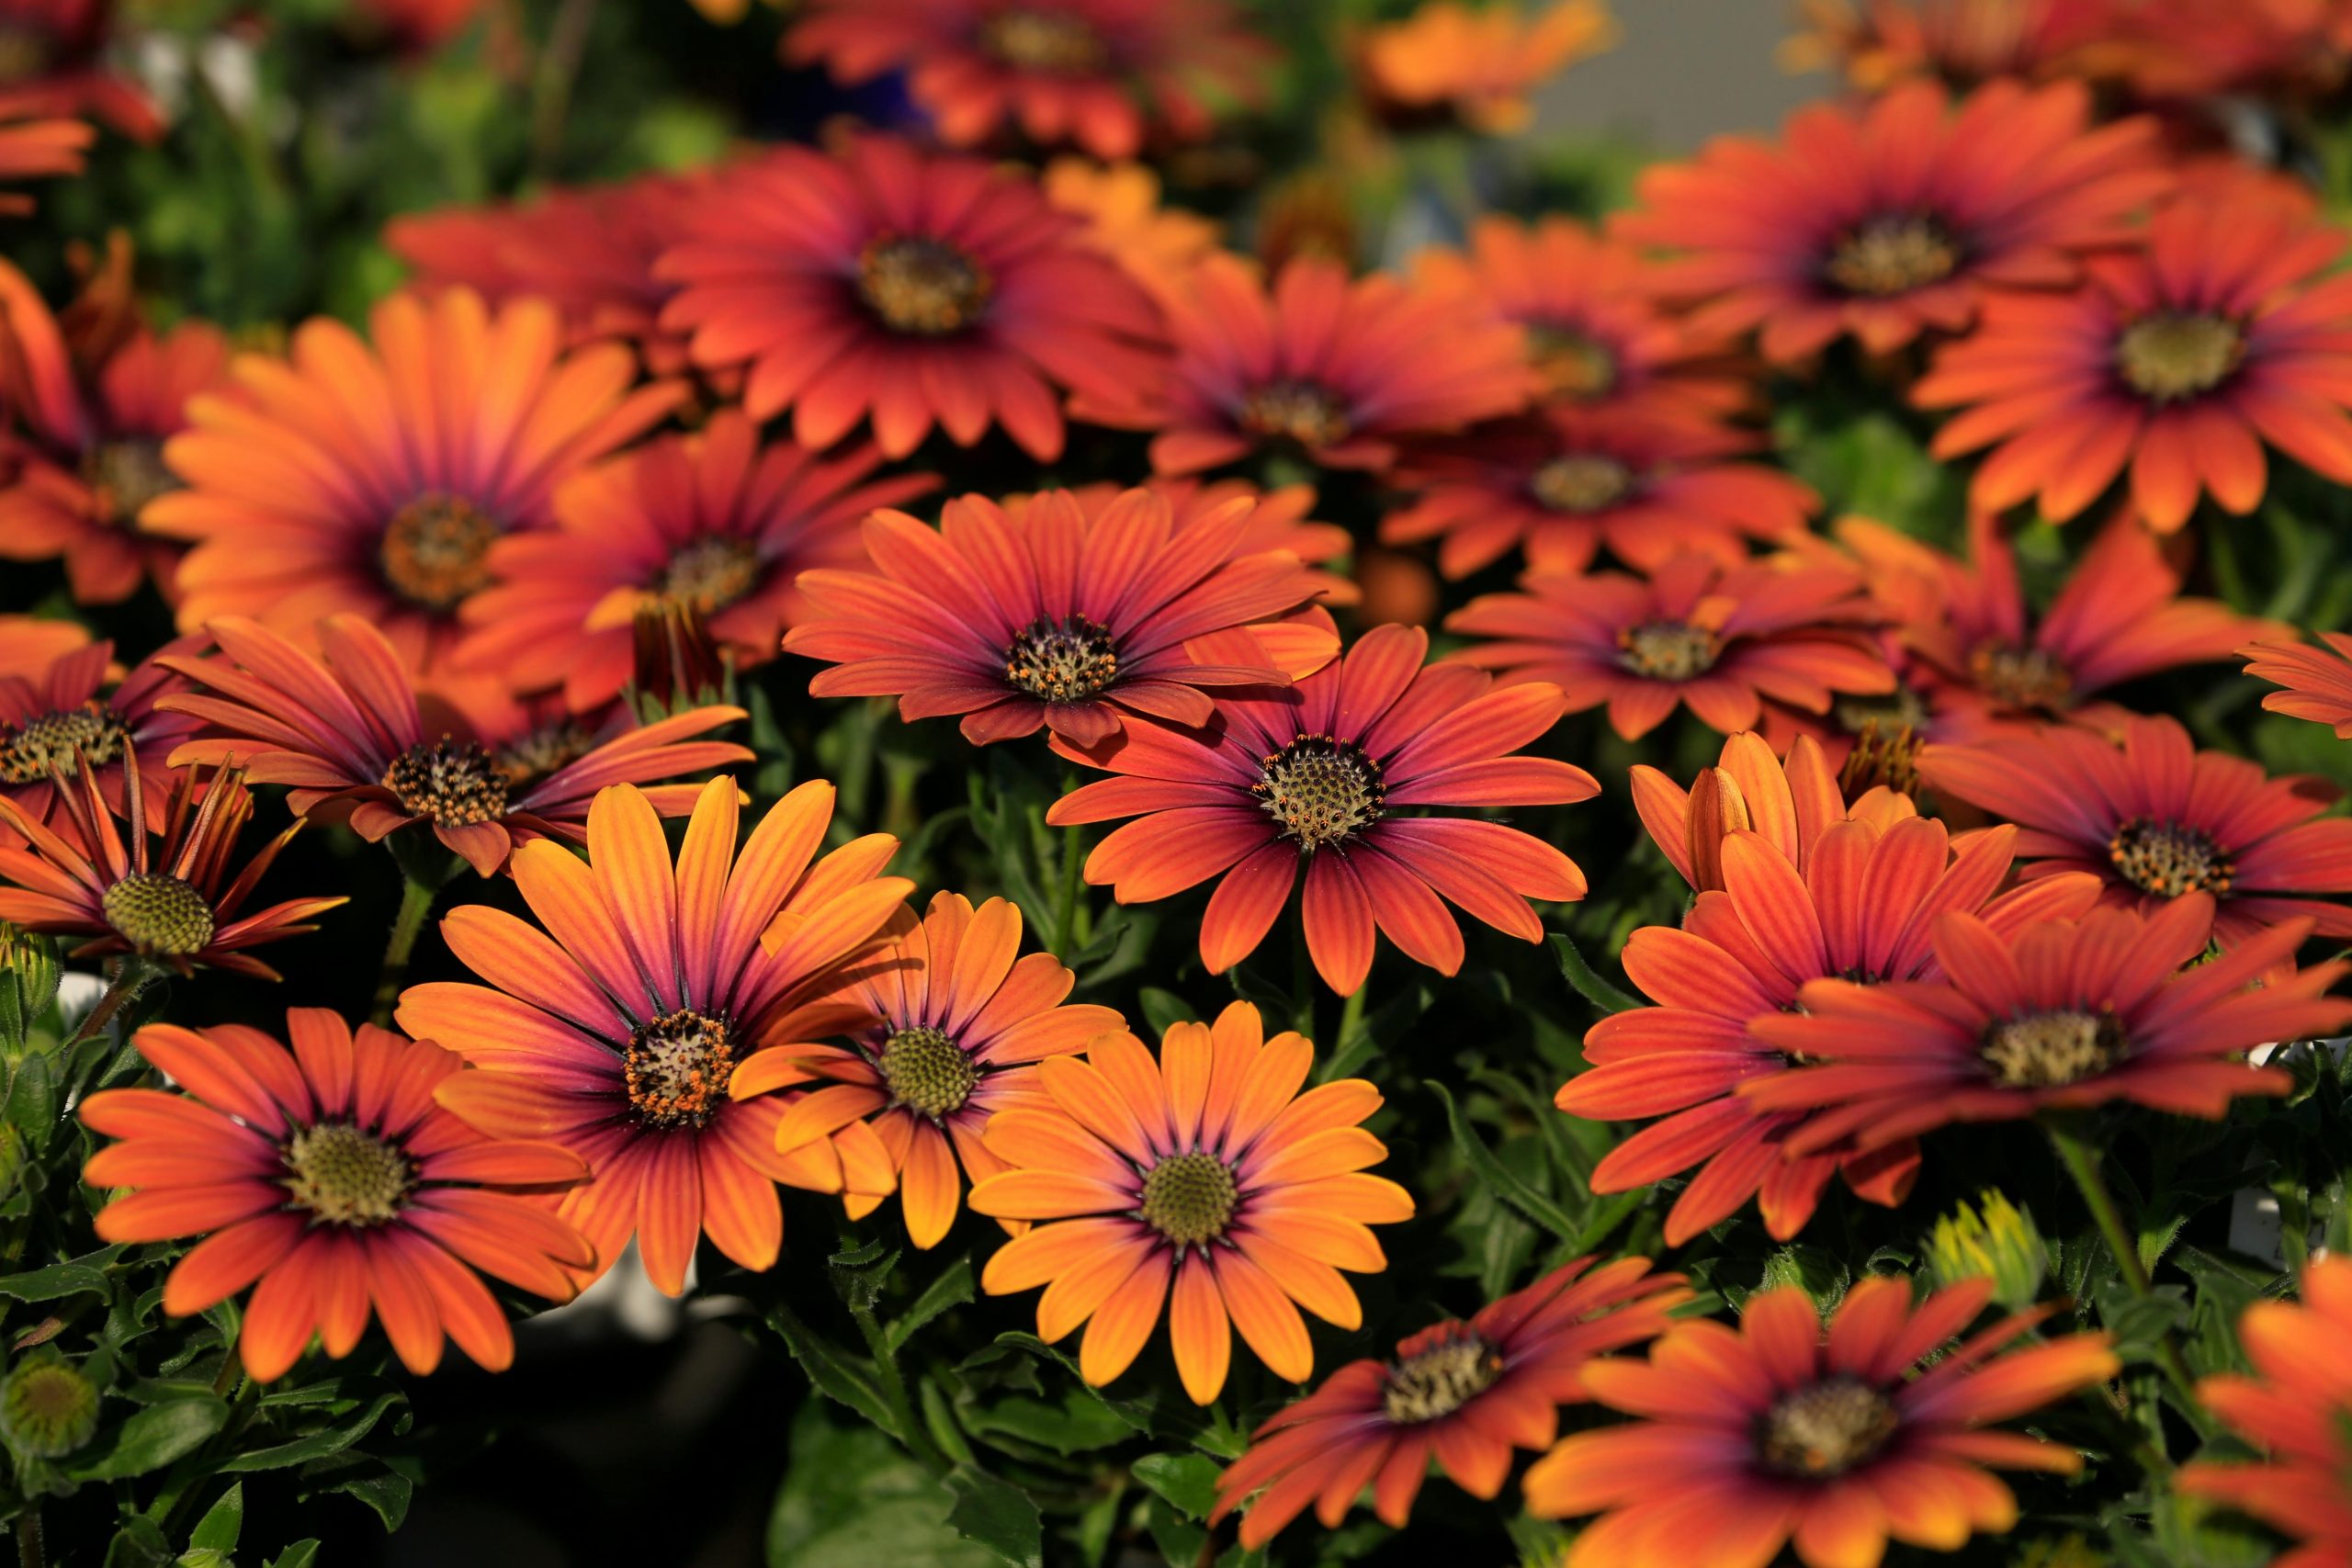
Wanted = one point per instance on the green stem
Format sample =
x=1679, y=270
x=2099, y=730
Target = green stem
x=911, y=1429
x=29, y=1553
x=1351, y=1017
x=1303, y=978
x=416, y=902
x=2081, y=1159
x=231, y=1367
x=1065, y=902
x=560, y=60
x=130, y=978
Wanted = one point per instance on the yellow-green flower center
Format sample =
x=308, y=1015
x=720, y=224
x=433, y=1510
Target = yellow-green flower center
x=1571, y=364
x=928, y=288
x=1827, y=1430
x=2021, y=677
x=2167, y=357
x=1668, y=651
x=1067, y=661
x=345, y=1176
x=2053, y=1049
x=1048, y=41
x=49, y=1408
x=1892, y=255
x=48, y=742
x=436, y=550
x=25, y=53
x=158, y=914
x=677, y=1068
x=1581, y=481
x=1296, y=411
x=538, y=752
x=453, y=784
x=1321, y=790
x=927, y=1071
x=712, y=573
x=128, y=475
x=1189, y=1198
x=1441, y=1380
x=2167, y=859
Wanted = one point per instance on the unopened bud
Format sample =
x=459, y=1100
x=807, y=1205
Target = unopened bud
x=28, y=978
x=1994, y=1241
x=48, y=1409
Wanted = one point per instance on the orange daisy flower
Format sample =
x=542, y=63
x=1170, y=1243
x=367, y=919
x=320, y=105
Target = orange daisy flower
x=2063, y=1014
x=914, y=287
x=1794, y=886
x=347, y=732
x=93, y=394
x=1875, y=43
x=1203, y=1180
x=1046, y=617
x=53, y=721
x=1598, y=336
x=953, y=1025
x=711, y=520
x=1477, y=66
x=1278, y=521
x=2155, y=819
x=1887, y=221
x=1464, y=1394
x=1338, y=371
x=1099, y=74
x=327, y=1179
x=1120, y=203
x=36, y=146
x=1983, y=664
x=1566, y=479
x=373, y=481
x=2318, y=681
x=615, y=1031
x=590, y=251
x=2295, y=1408
x=175, y=901
x=1776, y=1434
x=1723, y=641
x=1309, y=786
x=2230, y=329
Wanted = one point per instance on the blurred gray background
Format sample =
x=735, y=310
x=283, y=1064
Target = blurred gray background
x=1683, y=71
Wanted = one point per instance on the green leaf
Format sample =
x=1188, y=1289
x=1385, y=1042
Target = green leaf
x=83, y=1276
x=301, y=1554
x=149, y=1440
x=860, y=1272
x=835, y=1375
x=1077, y=1422
x=1187, y=1481
x=217, y=1531
x=950, y=1289
x=385, y=1490
x=1161, y=1009
x=1500, y=1183
x=851, y=1498
x=997, y=1514
x=1584, y=982
x=355, y=1421
x=140, y=1543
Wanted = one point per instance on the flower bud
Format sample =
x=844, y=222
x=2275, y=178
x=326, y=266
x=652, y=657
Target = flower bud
x=48, y=1409
x=1997, y=1240
x=28, y=978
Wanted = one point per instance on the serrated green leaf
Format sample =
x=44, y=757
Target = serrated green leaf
x=997, y=1514
x=217, y=1531
x=1499, y=1181
x=948, y=1289
x=1187, y=1481
x=338, y=1434
x=836, y=1376
x=1581, y=979
x=150, y=1439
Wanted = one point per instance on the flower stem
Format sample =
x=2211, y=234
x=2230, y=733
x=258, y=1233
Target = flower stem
x=894, y=1392
x=2076, y=1153
x=1351, y=1021
x=130, y=978
x=1065, y=902
x=29, y=1551
x=416, y=902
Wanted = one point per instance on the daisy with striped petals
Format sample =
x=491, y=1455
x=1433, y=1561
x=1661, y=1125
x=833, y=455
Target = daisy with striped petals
x=52, y=719
x=2314, y=682
x=614, y=1031
x=328, y=1174
x=1201, y=1180
x=954, y=1025
x=1777, y=1435
x=1464, y=1394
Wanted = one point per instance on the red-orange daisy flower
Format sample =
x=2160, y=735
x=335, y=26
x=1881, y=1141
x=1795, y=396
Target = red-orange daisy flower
x=1877, y=42
x=2296, y=1408
x=1809, y=888
x=1723, y=641
x=36, y=146
x=2228, y=330
x=327, y=1174
x=711, y=520
x=1477, y=66
x=2155, y=819
x=615, y=1032
x=1594, y=330
x=1311, y=785
x=347, y=731
x=1777, y=1434
x=171, y=896
x=373, y=481
x=53, y=721
x=1566, y=479
x=1464, y=1393
x=2060, y=1015
x=1101, y=73
x=1983, y=662
x=2317, y=680
x=1203, y=1179
x=952, y=1026
x=1047, y=617
x=1889, y=220
x=2295, y=50
x=93, y=394
x=910, y=287
x=589, y=250
x=1278, y=521
x=1337, y=370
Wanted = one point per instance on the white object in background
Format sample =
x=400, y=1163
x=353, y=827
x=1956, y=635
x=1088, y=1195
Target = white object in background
x=76, y=994
x=625, y=1298
x=2254, y=1223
